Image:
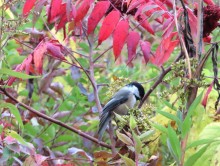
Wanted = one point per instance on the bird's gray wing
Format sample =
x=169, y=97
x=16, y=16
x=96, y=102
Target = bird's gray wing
x=118, y=99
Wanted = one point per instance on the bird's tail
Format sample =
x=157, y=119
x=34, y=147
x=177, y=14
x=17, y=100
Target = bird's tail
x=104, y=121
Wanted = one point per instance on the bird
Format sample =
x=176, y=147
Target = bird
x=120, y=103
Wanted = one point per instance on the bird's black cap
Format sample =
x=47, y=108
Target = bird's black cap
x=140, y=88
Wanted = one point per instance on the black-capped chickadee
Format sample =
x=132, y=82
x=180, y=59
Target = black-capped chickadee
x=120, y=103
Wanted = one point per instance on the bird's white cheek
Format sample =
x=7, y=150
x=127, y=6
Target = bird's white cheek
x=131, y=101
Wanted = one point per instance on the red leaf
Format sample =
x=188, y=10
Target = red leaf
x=132, y=42
x=38, y=55
x=25, y=65
x=192, y=23
x=56, y=9
x=164, y=50
x=119, y=37
x=70, y=10
x=207, y=39
x=108, y=25
x=82, y=10
x=29, y=4
x=98, y=12
x=39, y=159
x=135, y=4
x=145, y=24
x=55, y=50
x=209, y=2
x=205, y=99
x=64, y=19
x=169, y=26
x=19, y=68
x=145, y=48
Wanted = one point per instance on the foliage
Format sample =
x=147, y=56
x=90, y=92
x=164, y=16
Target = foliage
x=61, y=61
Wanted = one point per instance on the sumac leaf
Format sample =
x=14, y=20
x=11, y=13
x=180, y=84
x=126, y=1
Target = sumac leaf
x=132, y=42
x=108, y=25
x=56, y=8
x=38, y=55
x=119, y=37
x=145, y=24
x=82, y=10
x=205, y=99
x=29, y=4
x=98, y=12
x=164, y=50
x=145, y=48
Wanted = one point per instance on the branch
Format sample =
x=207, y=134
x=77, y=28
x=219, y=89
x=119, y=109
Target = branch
x=200, y=29
x=181, y=39
x=159, y=80
x=92, y=76
x=39, y=114
x=102, y=54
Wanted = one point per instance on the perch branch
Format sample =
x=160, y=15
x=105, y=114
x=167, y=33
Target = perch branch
x=159, y=80
x=39, y=114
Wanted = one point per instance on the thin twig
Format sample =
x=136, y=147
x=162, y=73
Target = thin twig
x=39, y=114
x=181, y=40
x=102, y=54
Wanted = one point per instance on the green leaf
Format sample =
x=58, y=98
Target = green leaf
x=132, y=122
x=1, y=127
x=128, y=162
x=171, y=106
x=187, y=121
x=84, y=46
x=192, y=159
x=211, y=154
x=16, y=136
x=174, y=142
x=211, y=131
x=5, y=155
x=159, y=127
x=119, y=117
x=186, y=126
x=201, y=142
x=16, y=74
x=146, y=135
x=137, y=143
x=172, y=117
x=124, y=138
x=14, y=111
x=194, y=104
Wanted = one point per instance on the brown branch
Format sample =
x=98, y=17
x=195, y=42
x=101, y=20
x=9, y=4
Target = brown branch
x=181, y=39
x=159, y=80
x=102, y=54
x=91, y=71
x=39, y=114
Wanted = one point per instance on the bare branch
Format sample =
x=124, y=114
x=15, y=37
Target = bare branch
x=39, y=114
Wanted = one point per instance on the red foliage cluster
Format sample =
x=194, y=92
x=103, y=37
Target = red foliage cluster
x=210, y=18
x=34, y=61
x=122, y=6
